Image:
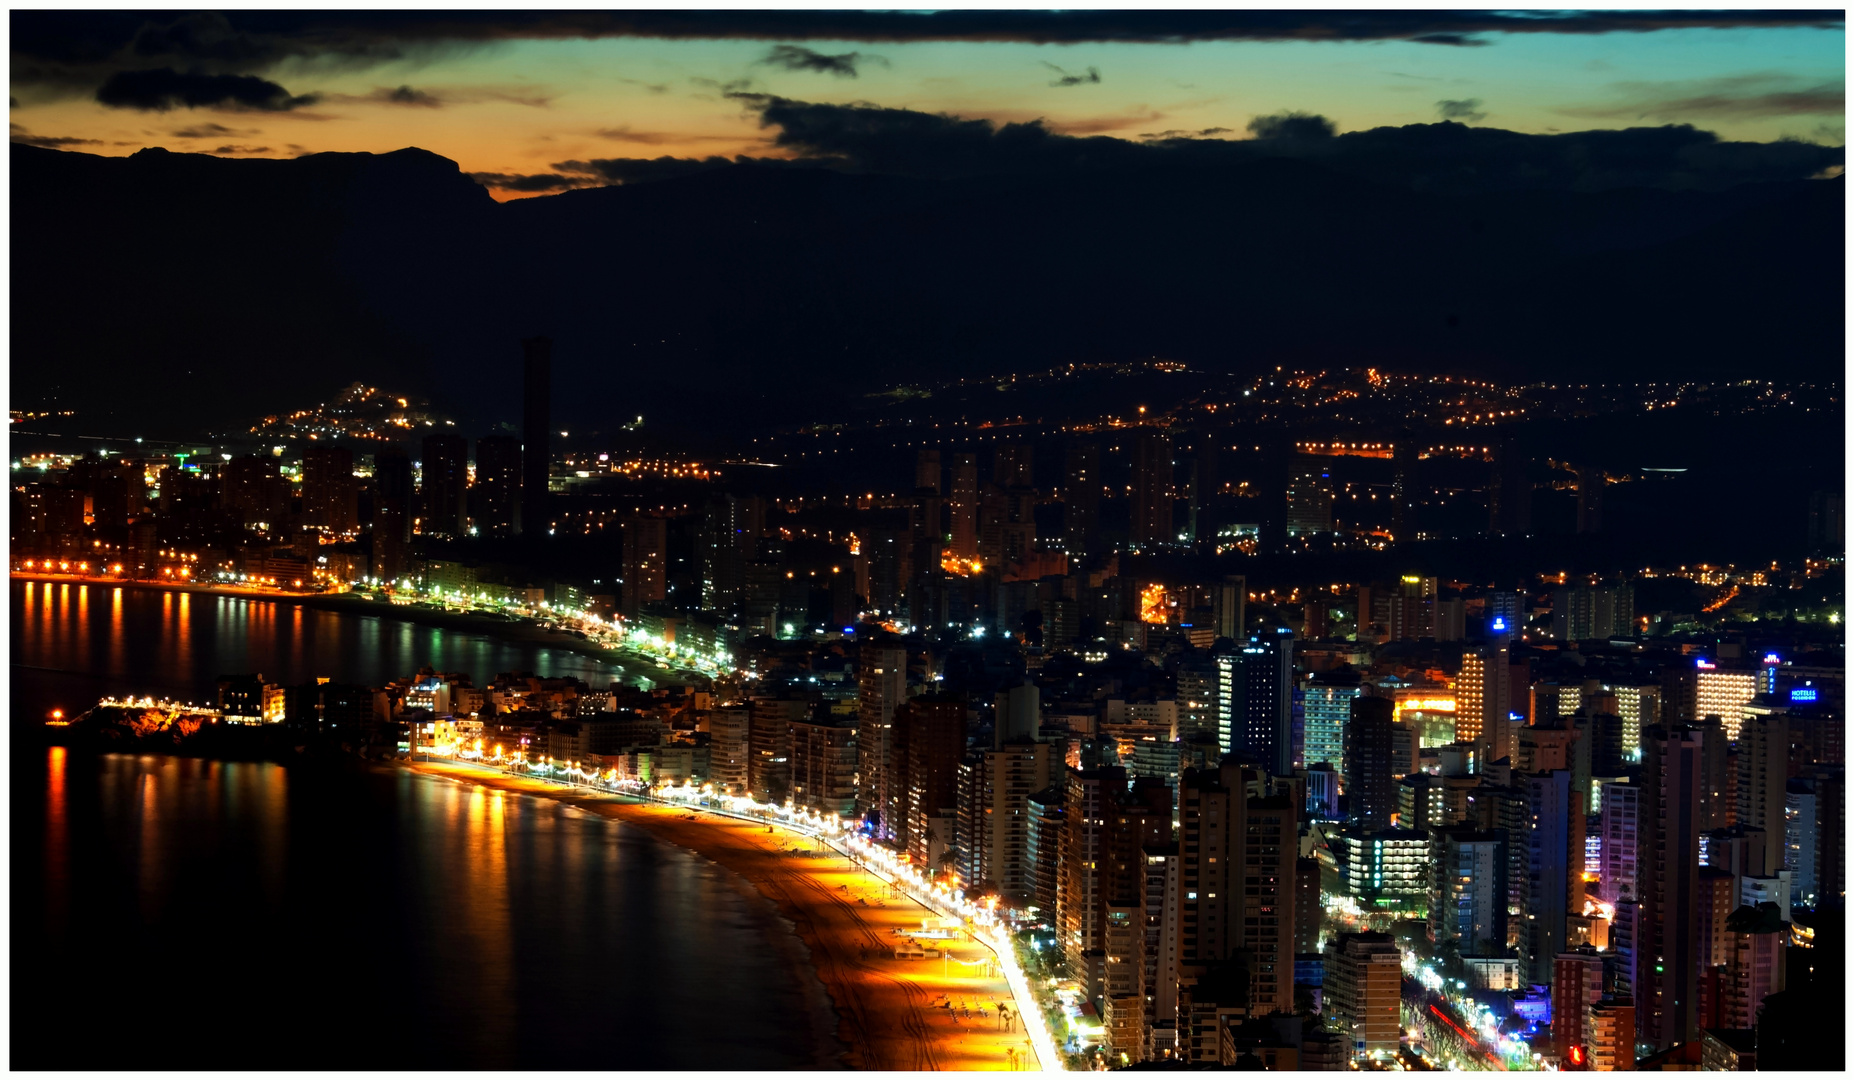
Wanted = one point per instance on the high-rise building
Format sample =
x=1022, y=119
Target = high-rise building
x=1509, y=501
x=1799, y=817
x=1763, y=779
x=929, y=738
x=1717, y=898
x=728, y=748
x=536, y=432
x=1667, y=987
x=769, y=745
x=1326, y=708
x=1369, y=780
x=255, y=487
x=1310, y=500
x=392, y=513
x=995, y=819
x=1081, y=497
x=1151, y=521
x=1229, y=606
x=881, y=688
x=1590, y=612
x=498, y=485
x=1609, y=1034
x=730, y=527
x=824, y=766
x=1081, y=916
x=1047, y=816
x=444, y=480
x=1723, y=693
x=1483, y=700
x=1576, y=984
x=965, y=505
x=1267, y=726
x=331, y=498
x=1238, y=876
x=646, y=564
x=1552, y=845
x=1758, y=939
x=1364, y=980
x=1621, y=854
x=927, y=470
x=1831, y=794
x=1012, y=465
x=1468, y=889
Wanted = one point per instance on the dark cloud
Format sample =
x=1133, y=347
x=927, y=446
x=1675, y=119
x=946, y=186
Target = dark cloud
x=647, y=170
x=1466, y=111
x=242, y=150
x=799, y=58
x=247, y=39
x=535, y=183
x=19, y=134
x=1292, y=125
x=1201, y=133
x=210, y=131
x=1449, y=39
x=623, y=133
x=1441, y=157
x=405, y=95
x=1068, y=79
x=162, y=89
x=1734, y=97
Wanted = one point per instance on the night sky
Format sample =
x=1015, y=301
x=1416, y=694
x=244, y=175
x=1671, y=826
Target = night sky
x=790, y=210
x=512, y=97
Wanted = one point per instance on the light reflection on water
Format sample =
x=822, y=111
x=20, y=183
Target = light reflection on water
x=379, y=919
x=66, y=652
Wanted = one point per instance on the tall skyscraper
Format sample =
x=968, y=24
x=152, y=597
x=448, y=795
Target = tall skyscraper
x=646, y=564
x=536, y=425
x=881, y=688
x=1468, y=889
x=1267, y=734
x=1552, y=845
x=1230, y=606
x=1667, y=986
x=1370, y=781
x=1588, y=612
x=1509, y=492
x=254, y=486
x=1621, y=852
x=1364, y=979
x=1151, y=520
x=444, y=484
x=331, y=498
x=1326, y=709
x=1763, y=778
x=1483, y=700
x=1081, y=916
x=1403, y=486
x=995, y=815
x=1576, y=984
x=1012, y=465
x=1081, y=496
x=965, y=505
x=926, y=790
x=498, y=485
x=392, y=513
x=927, y=470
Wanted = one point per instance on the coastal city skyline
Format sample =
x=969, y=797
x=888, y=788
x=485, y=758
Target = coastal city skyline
x=930, y=541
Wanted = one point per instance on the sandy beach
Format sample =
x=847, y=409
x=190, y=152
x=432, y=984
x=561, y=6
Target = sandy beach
x=892, y=1014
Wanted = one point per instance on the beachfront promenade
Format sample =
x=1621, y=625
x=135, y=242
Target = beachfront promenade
x=853, y=904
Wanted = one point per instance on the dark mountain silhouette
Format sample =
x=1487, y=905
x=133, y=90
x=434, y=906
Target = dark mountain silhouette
x=183, y=289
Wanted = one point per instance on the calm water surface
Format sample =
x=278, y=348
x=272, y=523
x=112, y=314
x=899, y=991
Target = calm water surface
x=181, y=913
x=74, y=643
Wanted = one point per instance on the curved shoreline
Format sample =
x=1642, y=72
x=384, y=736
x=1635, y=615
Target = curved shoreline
x=844, y=916
x=632, y=665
